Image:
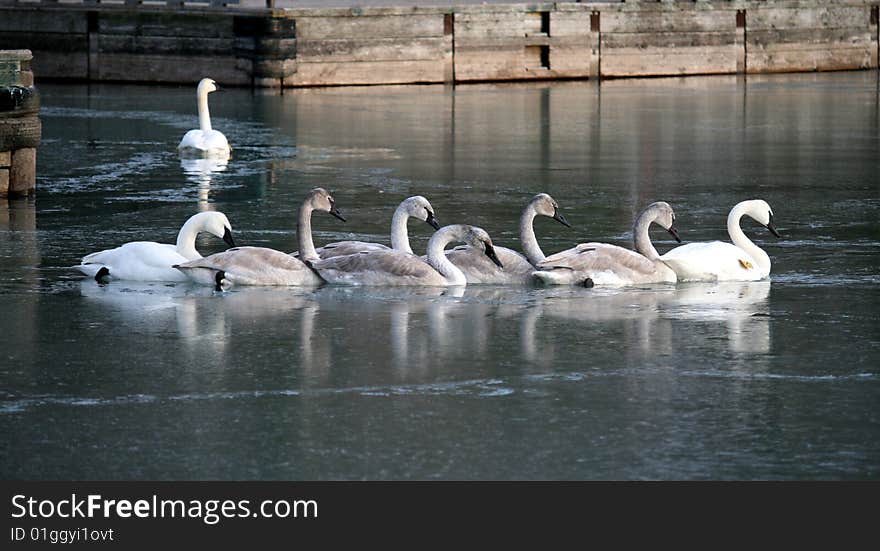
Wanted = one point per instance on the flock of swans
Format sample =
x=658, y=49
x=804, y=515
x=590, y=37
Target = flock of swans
x=477, y=261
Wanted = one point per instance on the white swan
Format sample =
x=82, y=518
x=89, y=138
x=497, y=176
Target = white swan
x=416, y=207
x=204, y=141
x=264, y=266
x=390, y=267
x=741, y=260
x=591, y=264
x=517, y=268
x=150, y=261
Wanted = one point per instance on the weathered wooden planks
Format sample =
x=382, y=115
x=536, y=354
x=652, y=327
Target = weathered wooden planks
x=433, y=44
x=669, y=40
x=539, y=44
x=365, y=72
x=168, y=68
x=824, y=38
x=371, y=49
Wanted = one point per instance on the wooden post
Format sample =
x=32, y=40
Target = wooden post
x=92, y=30
x=875, y=38
x=595, y=46
x=449, y=34
x=740, y=41
x=19, y=124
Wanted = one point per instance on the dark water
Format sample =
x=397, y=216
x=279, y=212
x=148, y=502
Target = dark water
x=766, y=380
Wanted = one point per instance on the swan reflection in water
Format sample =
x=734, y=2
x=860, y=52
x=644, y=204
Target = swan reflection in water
x=404, y=328
x=649, y=316
x=633, y=311
x=200, y=172
x=403, y=335
x=208, y=324
x=741, y=305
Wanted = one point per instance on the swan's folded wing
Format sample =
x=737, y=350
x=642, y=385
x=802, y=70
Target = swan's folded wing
x=343, y=248
x=137, y=255
x=710, y=260
x=251, y=266
x=193, y=139
x=598, y=257
x=376, y=268
x=574, y=258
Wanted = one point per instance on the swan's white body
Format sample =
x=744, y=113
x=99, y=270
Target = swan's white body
x=204, y=141
x=264, y=266
x=415, y=207
x=518, y=268
x=740, y=260
x=604, y=264
x=150, y=261
x=390, y=267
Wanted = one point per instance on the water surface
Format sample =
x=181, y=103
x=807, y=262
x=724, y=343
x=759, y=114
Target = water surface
x=767, y=380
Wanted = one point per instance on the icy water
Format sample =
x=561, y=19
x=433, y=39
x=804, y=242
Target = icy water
x=769, y=380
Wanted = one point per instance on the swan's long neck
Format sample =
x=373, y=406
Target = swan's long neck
x=186, y=238
x=739, y=238
x=641, y=236
x=399, y=232
x=304, y=233
x=527, y=238
x=437, y=259
x=204, y=115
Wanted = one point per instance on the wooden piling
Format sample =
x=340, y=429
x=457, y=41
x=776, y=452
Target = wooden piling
x=19, y=124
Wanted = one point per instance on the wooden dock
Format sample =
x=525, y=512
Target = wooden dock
x=248, y=44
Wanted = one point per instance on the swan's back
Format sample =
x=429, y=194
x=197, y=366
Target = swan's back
x=602, y=263
x=204, y=144
x=384, y=267
x=136, y=261
x=478, y=268
x=713, y=261
x=344, y=248
x=251, y=266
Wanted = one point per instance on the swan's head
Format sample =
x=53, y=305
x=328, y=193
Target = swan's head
x=665, y=217
x=216, y=224
x=545, y=205
x=320, y=199
x=207, y=85
x=480, y=240
x=760, y=210
x=419, y=207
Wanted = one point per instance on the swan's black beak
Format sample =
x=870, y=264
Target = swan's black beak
x=490, y=252
x=432, y=221
x=559, y=218
x=674, y=233
x=772, y=228
x=335, y=211
x=227, y=237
